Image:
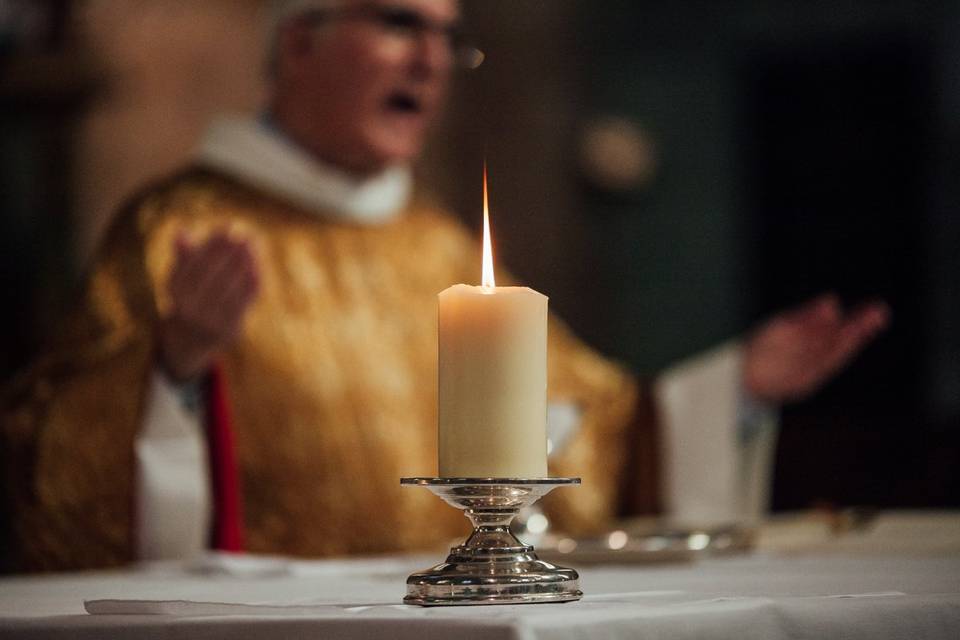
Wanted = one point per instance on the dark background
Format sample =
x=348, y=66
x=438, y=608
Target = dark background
x=800, y=148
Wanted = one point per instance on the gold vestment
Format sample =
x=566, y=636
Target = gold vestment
x=332, y=385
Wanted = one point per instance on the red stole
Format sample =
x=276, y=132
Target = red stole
x=227, y=532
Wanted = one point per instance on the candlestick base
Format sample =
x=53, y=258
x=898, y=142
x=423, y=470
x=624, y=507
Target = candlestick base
x=492, y=566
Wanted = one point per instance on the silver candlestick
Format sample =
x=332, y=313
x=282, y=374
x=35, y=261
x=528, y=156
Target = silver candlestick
x=492, y=566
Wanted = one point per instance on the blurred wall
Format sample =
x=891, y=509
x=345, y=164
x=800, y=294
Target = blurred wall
x=520, y=110
x=802, y=147
x=165, y=67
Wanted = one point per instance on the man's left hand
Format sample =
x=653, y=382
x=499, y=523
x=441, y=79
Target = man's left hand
x=794, y=353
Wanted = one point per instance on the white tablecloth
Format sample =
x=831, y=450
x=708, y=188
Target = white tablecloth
x=814, y=595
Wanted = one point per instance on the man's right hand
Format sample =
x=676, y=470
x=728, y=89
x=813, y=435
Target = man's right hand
x=211, y=286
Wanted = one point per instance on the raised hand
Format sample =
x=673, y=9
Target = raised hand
x=211, y=286
x=794, y=353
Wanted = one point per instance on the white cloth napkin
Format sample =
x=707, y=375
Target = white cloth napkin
x=196, y=608
x=239, y=569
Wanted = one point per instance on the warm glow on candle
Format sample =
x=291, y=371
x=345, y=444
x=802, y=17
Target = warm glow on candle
x=487, y=278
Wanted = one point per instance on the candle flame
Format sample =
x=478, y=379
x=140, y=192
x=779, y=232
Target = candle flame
x=487, y=279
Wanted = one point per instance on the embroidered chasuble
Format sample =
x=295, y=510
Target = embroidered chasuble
x=331, y=386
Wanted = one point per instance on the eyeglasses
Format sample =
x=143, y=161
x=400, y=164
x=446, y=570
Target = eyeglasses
x=405, y=23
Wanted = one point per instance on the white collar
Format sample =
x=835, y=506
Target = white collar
x=253, y=152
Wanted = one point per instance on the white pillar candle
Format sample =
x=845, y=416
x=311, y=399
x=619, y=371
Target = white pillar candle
x=492, y=378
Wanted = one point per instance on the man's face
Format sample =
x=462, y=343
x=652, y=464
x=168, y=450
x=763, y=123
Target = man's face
x=360, y=84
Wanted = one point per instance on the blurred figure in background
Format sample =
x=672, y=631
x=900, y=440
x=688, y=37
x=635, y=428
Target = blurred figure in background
x=253, y=365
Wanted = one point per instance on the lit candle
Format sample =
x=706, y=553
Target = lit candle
x=492, y=377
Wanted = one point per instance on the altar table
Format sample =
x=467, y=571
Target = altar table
x=820, y=593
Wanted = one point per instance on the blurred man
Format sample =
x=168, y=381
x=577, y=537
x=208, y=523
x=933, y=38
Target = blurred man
x=253, y=366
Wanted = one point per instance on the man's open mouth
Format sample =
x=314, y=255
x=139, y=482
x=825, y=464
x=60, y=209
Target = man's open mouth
x=402, y=102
